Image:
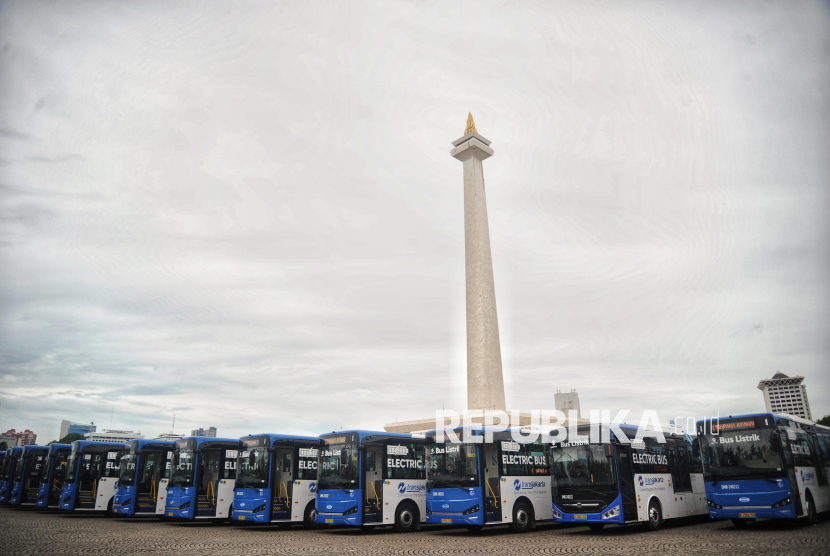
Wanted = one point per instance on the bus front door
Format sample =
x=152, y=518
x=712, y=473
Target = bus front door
x=148, y=479
x=283, y=484
x=373, y=486
x=208, y=481
x=490, y=485
x=626, y=474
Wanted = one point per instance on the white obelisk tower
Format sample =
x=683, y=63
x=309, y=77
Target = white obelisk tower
x=485, y=383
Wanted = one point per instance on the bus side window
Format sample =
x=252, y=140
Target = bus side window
x=370, y=461
x=286, y=463
x=697, y=466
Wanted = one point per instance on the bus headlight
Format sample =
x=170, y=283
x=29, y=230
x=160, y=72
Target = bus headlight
x=613, y=512
x=472, y=510
x=350, y=511
x=260, y=508
x=785, y=502
x=556, y=514
x=714, y=505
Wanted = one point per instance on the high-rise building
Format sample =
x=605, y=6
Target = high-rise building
x=786, y=394
x=113, y=436
x=567, y=402
x=210, y=431
x=71, y=427
x=13, y=438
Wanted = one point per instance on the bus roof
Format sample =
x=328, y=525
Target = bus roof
x=276, y=437
x=364, y=434
x=774, y=416
x=81, y=444
x=29, y=447
x=14, y=450
x=199, y=440
x=140, y=443
x=55, y=447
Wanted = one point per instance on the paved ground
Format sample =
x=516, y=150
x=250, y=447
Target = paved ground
x=29, y=531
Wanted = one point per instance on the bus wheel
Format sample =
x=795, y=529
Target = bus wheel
x=596, y=526
x=310, y=516
x=812, y=516
x=655, y=516
x=740, y=523
x=406, y=518
x=110, y=513
x=522, y=518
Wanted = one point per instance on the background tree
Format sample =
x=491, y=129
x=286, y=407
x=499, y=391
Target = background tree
x=4, y=446
x=824, y=421
x=68, y=439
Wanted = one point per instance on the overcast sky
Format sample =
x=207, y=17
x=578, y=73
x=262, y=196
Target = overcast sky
x=246, y=215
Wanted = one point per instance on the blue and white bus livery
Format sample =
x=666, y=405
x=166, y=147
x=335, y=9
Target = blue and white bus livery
x=626, y=480
x=203, y=479
x=276, y=479
x=368, y=478
x=91, y=475
x=765, y=465
x=143, y=477
x=26, y=478
x=487, y=483
x=6, y=473
x=51, y=480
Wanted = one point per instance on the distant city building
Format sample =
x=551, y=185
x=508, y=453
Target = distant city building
x=113, y=436
x=567, y=402
x=211, y=431
x=13, y=438
x=169, y=436
x=786, y=394
x=71, y=427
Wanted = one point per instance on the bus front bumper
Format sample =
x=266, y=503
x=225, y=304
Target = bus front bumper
x=611, y=515
x=338, y=519
x=753, y=513
x=455, y=519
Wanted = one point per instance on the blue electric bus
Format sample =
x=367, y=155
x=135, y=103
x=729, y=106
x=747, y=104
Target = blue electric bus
x=480, y=483
x=765, y=465
x=204, y=474
x=9, y=464
x=51, y=480
x=91, y=474
x=276, y=479
x=143, y=478
x=625, y=480
x=368, y=478
x=26, y=478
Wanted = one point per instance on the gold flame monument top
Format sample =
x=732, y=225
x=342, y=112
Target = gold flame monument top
x=471, y=125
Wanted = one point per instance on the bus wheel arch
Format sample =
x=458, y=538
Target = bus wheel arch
x=810, y=508
x=655, y=514
x=310, y=516
x=110, y=513
x=523, y=516
x=407, y=516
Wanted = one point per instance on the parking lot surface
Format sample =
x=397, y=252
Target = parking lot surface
x=31, y=531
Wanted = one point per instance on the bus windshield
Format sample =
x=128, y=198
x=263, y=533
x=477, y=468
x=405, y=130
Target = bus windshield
x=252, y=468
x=5, y=469
x=749, y=453
x=126, y=477
x=338, y=466
x=183, y=461
x=72, y=467
x=452, y=465
x=584, y=465
x=18, y=470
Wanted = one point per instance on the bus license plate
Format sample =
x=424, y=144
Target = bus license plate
x=747, y=515
x=580, y=516
x=329, y=521
x=446, y=521
x=169, y=513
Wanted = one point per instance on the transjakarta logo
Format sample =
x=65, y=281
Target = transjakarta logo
x=807, y=476
x=649, y=480
x=403, y=488
x=527, y=485
x=312, y=487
